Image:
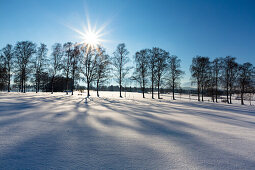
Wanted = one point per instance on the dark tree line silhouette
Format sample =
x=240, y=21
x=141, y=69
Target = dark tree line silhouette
x=223, y=73
x=29, y=65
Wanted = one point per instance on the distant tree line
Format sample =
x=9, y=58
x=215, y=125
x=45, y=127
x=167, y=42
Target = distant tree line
x=29, y=65
x=222, y=73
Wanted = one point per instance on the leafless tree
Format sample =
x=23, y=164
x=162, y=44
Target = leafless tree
x=245, y=78
x=230, y=70
x=199, y=72
x=216, y=73
x=152, y=68
x=24, y=51
x=39, y=64
x=175, y=72
x=7, y=54
x=75, y=58
x=67, y=47
x=141, y=70
x=57, y=54
x=102, y=67
x=161, y=57
x=119, y=62
x=89, y=61
x=3, y=74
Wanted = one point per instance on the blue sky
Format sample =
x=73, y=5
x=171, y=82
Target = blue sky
x=186, y=28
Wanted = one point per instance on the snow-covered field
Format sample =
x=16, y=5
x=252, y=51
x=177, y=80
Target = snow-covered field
x=44, y=131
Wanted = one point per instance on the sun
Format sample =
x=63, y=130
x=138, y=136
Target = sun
x=92, y=39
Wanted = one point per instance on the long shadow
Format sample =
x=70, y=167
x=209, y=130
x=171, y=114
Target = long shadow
x=197, y=148
x=73, y=145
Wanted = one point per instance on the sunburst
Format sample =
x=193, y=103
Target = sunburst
x=91, y=38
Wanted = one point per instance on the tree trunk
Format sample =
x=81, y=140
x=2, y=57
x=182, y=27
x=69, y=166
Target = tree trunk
x=52, y=86
x=227, y=93
x=143, y=88
x=198, y=93
x=73, y=81
x=242, y=103
x=230, y=97
x=36, y=87
x=67, y=83
x=120, y=83
x=152, y=85
x=216, y=95
x=24, y=86
x=242, y=92
x=88, y=83
x=173, y=89
x=97, y=88
x=216, y=90
x=9, y=79
x=202, y=93
x=158, y=91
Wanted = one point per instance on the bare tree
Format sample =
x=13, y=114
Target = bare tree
x=75, y=58
x=229, y=75
x=102, y=67
x=199, y=72
x=245, y=74
x=175, y=72
x=152, y=68
x=3, y=75
x=67, y=61
x=119, y=62
x=160, y=65
x=24, y=51
x=89, y=63
x=7, y=57
x=57, y=54
x=39, y=64
x=216, y=71
x=141, y=70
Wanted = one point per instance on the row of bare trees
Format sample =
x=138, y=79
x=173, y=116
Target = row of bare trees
x=154, y=69
x=158, y=67
x=29, y=63
x=222, y=73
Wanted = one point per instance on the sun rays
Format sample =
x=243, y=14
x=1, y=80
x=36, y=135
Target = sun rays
x=91, y=37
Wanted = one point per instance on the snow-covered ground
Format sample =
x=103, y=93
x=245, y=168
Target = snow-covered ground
x=44, y=131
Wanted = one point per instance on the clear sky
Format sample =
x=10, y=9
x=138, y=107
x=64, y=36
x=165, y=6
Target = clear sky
x=186, y=28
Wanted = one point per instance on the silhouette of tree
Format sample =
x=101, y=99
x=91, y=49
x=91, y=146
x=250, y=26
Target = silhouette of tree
x=89, y=65
x=67, y=47
x=161, y=57
x=141, y=70
x=75, y=58
x=175, y=72
x=7, y=54
x=3, y=75
x=119, y=62
x=216, y=73
x=56, y=63
x=39, y=64
x=102, y=67
x=199, y=72
x=230, y=70
x=245, y=74
x=24, y=51
x=152, y=68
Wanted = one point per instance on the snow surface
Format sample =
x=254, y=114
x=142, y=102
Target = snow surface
x=44, y=131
